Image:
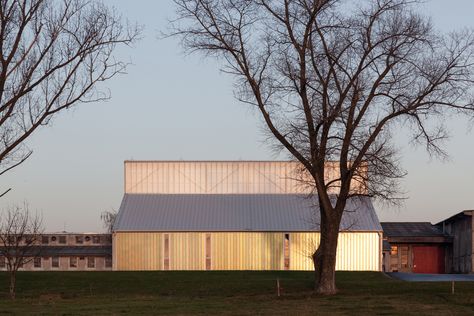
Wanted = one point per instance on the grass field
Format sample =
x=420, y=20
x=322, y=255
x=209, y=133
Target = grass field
x=226, y=293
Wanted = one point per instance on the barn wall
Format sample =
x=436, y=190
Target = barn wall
x=247, y=251
x=240, y=251
x=137, y=251
x=355, y=252
x=217, y=177
x=462, y=250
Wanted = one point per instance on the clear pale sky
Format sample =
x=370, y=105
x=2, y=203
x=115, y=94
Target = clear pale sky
x=172, y=106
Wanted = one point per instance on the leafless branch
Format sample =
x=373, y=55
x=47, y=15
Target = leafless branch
x=333, y=83
x=20, y=233
x=53, y=55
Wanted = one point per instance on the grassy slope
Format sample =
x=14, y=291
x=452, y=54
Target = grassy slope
x=244, y=293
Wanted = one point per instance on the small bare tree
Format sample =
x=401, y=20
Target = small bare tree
x=53, y=55
x=108, y=220
x=20, y=234
x=333, y=81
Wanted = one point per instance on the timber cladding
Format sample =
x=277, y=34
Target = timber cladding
x=239, y=251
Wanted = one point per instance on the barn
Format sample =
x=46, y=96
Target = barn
x=460, y=226
x=232, y=215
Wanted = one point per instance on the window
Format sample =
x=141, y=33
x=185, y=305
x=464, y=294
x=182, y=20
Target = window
x=90, y=262
x=73, y=262
x=208, y=251
x=79, y=239
x=166, y=257
x=286, y=252
x=394, y=250
x=62, y=239
x=108, y=262
x=404, y=256
x=2, y=262
x=55, y=262
x=37, y=262
x=96, y=239
x=44, y=240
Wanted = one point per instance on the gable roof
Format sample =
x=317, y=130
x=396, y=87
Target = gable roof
x=457, y=216
x=235, y=212
x=411, y=229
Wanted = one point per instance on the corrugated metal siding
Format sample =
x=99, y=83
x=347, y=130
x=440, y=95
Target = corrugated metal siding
x=138, y=251
x=215, y=177
x=359, y=251
x=187, y=251
x=302, y=246
x=235, y=212
x=241, y=251
x=247, y=251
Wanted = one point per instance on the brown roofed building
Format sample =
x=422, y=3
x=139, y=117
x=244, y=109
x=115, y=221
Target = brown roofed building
x=418, y=247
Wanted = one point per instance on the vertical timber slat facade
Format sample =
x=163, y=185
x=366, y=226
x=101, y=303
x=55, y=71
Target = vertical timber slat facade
x=231, y=216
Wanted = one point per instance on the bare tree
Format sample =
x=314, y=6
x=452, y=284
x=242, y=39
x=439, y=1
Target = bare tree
x=53, y=55
x=108, y=220
x=20, y=234
x=333, y=81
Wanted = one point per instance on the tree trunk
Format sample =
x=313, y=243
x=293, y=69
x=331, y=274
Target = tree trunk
x=324, y=258
x=12, y=285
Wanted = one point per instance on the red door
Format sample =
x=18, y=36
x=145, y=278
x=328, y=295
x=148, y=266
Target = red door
x=428, y=259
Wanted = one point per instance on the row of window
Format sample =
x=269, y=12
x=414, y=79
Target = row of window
x=73, y=262
x=79, y=239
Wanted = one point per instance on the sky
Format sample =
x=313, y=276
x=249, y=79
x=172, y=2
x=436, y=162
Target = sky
x=172, y=106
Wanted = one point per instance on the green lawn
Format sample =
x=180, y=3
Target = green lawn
x=243, y=293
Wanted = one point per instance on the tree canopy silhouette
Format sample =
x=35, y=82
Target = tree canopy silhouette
x=53, y=55
x=334, y=81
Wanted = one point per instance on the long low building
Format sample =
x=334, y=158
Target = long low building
x=65, y=251
x=232, y=216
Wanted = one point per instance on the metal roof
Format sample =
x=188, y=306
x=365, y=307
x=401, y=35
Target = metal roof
x=411, y=229
x=235, y=212
x=457, y=216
